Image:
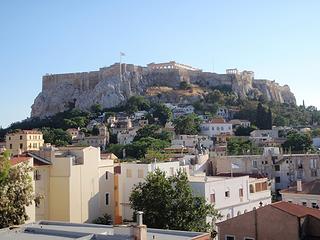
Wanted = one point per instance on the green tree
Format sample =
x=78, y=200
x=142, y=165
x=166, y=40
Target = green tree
x=184, y=85
x=4, y=166
x=162, y=113
x=153, y=131
x=238, y=146
x=116, y=149
x=16, y=192
x=138, y=149
x=188, y=124
x=244, y=131
x=168, y=203
x=137, y=103
x=57, y=137
x=298, y=142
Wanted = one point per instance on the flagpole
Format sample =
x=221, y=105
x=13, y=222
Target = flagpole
x=120, y=67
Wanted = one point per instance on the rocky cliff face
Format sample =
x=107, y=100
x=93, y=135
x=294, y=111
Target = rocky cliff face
x=108, y=88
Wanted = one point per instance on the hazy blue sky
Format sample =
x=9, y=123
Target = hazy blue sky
x=277, y=39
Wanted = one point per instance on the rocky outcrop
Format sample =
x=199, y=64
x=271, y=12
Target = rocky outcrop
x=109, y=88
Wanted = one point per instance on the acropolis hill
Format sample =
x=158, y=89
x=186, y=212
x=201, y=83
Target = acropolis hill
x=109, y=86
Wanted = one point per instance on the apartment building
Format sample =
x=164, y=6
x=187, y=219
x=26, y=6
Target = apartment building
x=131, y=175
x=24, y=140
x=232, y=196
x=191, y=141
x=217, y=126
x=283, y=169
x=74, y=183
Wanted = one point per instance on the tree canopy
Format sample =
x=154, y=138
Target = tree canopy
x=239, y=146
x=297, y=142
x=168, y=203
x=188, y=124
x=16, y=192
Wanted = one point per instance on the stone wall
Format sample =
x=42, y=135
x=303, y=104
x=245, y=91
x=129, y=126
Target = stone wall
x=105, y=86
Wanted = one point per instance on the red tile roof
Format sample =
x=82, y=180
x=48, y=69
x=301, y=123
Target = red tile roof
x=296, y=210
x=218, y=120
x=19, y=159
x=312, y=188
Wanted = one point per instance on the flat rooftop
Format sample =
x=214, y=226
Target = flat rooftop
x=44, y=230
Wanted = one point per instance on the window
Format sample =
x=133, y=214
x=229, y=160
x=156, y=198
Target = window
x=227, y=193
x=140, y=173
x=21, y=145
x=129, y=173
x=314, y=205
x=251, y=188
x=37, y=175
x=277, y=168
x=20, y=137
x=212, y=198
x=313, y=172
x=107, y=199
x=241, y=192
x=254, y=164
x=10, y=146
x=278, y=180
x=107, y=175
x=304, y=204
x=9, y=138
x=313, y=163
x=289, y=201
x=228, y=237
x=248, y=238
x=35, y=145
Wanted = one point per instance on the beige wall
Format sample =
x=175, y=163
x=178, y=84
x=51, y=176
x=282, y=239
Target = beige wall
x=106, y=185
x=13, y=141
x=30, y=210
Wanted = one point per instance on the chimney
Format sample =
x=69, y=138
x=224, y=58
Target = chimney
x=299, y=185
x=140, y=230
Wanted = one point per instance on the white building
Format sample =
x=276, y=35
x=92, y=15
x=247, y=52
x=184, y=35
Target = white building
x=216, y=127
x=240, y=123
x=265, y=134
x=126, y=136
x=306, y=194
x=232, y=196
x=191, y=141
x=134, y=173
x=180, y=111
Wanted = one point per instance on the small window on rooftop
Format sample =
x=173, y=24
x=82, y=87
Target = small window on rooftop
x=227, y=193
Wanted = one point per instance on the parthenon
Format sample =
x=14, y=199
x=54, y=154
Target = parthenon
x=171, y=65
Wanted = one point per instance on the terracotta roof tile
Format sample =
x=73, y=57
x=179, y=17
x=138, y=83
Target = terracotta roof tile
x=19, y=159
x=312, y=188
x=296, y=210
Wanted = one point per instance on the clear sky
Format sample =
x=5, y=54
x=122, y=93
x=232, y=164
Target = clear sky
x=278, y=40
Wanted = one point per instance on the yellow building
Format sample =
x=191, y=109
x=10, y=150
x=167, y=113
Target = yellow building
x=74, y=184
x=24, y=140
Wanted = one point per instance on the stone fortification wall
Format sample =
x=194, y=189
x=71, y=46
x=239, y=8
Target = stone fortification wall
x=106, y=87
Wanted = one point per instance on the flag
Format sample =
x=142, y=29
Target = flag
x=235, y=166
x=122, y=54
